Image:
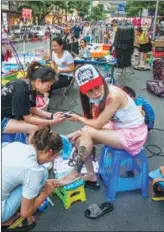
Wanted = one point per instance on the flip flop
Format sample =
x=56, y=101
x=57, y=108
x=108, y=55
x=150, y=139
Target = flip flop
x=95, y=211
x=25, y=226
x=92, y=184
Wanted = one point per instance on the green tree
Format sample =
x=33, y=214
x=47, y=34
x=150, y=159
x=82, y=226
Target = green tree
x=134, y=8
x=97, y=13
x=82, y=7
x=40, y=8
x=43, y=8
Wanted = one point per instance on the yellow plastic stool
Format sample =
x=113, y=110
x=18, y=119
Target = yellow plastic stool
x=70, y=193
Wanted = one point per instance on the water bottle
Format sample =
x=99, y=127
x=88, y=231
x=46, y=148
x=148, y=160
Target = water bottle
x=151, y=61
x=45, y=205
x=67, y=147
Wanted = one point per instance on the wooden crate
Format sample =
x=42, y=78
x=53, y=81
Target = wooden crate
x=158, y=43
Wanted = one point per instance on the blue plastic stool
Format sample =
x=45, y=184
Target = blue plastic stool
x=18, y=137
x=156, y=174
x=109, y=168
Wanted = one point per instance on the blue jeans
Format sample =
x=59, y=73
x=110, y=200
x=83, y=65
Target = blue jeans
x=11, y=137
x=4, y=123
x=13, y=203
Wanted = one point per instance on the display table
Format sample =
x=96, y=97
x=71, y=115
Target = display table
x=98, y=53
x=7, y=78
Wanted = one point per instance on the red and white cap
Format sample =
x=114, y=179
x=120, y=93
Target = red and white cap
x=87, y=77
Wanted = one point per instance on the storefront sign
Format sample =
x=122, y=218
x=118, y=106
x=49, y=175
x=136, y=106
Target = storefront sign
x=26, y=13
x=5, y=5
x=121, y=8
x=4, y=20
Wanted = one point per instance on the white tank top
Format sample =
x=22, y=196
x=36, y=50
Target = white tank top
x=129, y=117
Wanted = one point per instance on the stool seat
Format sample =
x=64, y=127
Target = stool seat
x=156, y=174
x=71, y=193
x=109, y=169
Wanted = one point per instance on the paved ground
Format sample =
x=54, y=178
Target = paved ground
x=131, y=212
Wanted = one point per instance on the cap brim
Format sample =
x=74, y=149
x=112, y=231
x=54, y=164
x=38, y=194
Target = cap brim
x=91, y=84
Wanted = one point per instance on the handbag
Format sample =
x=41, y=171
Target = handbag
x=156, y=87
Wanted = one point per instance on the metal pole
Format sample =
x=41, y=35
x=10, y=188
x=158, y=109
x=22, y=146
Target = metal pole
x=155, y=19
x=24, y=51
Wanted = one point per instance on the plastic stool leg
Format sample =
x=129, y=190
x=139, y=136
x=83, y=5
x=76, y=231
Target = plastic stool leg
x=145, y=181
x=102, y=160
x=130, y=165
x=113, y=181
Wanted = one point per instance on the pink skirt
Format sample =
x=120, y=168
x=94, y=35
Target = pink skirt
x=131, y=139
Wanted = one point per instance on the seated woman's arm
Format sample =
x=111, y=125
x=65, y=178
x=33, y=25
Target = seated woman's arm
x=70, y=68
x=112, y=105
x=42, y=122
x=54, y=66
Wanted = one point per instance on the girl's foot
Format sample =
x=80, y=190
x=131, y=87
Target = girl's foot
x=71, y=177
x=28, y=222
x=75, y=135
x=90, y=177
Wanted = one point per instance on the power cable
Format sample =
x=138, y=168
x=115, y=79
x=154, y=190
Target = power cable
x=150, y=146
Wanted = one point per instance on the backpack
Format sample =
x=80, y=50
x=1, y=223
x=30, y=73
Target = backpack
x=158, y=69
x=156, y=87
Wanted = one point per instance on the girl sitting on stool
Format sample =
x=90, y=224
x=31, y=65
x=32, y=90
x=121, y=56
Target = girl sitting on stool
x=111, y=117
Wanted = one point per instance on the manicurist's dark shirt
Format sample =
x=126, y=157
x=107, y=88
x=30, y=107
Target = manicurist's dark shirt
x=17, y=98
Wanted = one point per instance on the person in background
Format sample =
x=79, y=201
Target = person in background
x=66, y=29
x=142, y=39
x=111, y=117
x=114, y=25
x=144, y=106
x=76, y=31
x=87, y=32
x=18, y=101
x=62, y=63
x=25, y=182
x=84, y=51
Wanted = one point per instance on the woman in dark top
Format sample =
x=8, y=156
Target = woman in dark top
x=19, y=112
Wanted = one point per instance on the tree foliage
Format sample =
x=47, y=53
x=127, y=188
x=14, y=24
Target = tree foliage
x=82, y=7
x=43, y=8
x=97, y=13
x=134, y=8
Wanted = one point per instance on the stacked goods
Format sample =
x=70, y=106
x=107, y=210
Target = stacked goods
x=158, y=48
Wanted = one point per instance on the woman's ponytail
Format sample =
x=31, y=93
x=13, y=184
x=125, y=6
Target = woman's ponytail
x=45, y=139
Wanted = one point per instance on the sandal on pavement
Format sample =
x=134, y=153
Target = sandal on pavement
x=14, y=226
x=92, y=184
x=95, y=211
